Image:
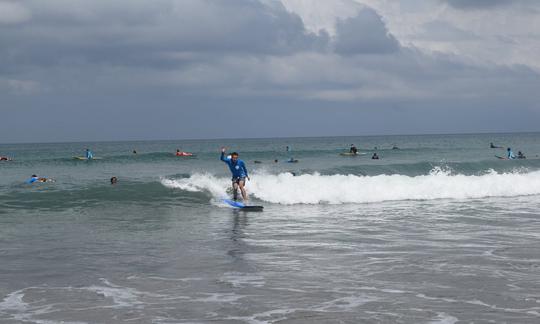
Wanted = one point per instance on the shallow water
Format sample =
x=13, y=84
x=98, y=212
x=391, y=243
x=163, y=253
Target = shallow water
x=439, y=231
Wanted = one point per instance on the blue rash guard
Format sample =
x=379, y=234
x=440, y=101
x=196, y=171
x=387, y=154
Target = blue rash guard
x=511, y=155
x=32, y=180
x=238, y=169
x=89, y=154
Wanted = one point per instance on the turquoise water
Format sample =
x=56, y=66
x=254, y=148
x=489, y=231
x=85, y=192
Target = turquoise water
x=438, y=231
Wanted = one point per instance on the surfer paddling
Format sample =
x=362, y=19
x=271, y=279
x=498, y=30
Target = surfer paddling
x=239, y=173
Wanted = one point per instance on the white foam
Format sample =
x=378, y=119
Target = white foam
x=121, y=296
x=14, y=302
x=340, y=189
x=443, y=318
x=217, y=187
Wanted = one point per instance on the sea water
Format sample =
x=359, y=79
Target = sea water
x=437, y=231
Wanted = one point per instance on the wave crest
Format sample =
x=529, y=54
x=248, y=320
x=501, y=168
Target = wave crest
x=285, y=188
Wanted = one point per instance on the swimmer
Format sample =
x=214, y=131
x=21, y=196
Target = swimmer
x=114, y=180
x=375, y=156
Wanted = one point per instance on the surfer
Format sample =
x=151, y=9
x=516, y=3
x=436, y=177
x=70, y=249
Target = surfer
x=35, y=178
x=114, y=180
x=510, y=155
x=239, y=173
x=493, y=146
x=521, y=155
x=5, y=158
x=89, y=155
x=375, y=156
x=180, y=153
x=353, y=149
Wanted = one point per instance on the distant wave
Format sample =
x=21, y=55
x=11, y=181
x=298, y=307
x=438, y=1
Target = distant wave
x=285, y=188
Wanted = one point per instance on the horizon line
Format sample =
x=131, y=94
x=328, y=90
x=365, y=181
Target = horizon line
x=259, y=138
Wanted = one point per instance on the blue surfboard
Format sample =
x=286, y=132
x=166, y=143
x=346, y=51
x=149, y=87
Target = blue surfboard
x=239, y=205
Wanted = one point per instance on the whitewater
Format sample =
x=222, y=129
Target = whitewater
x=289, y=189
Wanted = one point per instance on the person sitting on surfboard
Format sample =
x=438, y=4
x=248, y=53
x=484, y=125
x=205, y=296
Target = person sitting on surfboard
x=521, y=155
x=353, y=149
x=89, y=154
x=239, y=173
x=510, y=154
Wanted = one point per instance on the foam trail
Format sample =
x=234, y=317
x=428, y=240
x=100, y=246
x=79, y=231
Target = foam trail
x=338, y=189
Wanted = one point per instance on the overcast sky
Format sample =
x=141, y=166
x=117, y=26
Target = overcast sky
x=73, y=70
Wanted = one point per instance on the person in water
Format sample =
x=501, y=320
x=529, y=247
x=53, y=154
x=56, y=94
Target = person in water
x=89, y=155
x=35, y=178
x=5, y=158
x=493, y=146
x=353, y=149
x=521, y=155
x=239, y=173
x=510, y=155
x=114, y=180
x=375, y=156
x=181, y=153
x=134, y=151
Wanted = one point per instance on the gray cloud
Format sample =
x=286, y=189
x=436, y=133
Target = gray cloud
x=138, y=33
x=479, y=4
x=364, y=33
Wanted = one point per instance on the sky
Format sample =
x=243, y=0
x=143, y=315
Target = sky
x=74, y=70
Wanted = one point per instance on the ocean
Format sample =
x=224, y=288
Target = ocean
x=437, y=231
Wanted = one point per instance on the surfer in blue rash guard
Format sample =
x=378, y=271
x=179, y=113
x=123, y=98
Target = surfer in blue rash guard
x=89, y=155
x=510, y=155
x=239, y=173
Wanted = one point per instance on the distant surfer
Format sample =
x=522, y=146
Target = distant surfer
x=375, y=156
x=89, y=155
x=35, y=178
x=114, y=180
x=510, y=155
x=238, y=171
x=5, y=158
x=395, y=147
x=353, y=149
x=181, y=153
x=134, y=151
x=287, y=148
x=521, y=155
x=493, y=146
